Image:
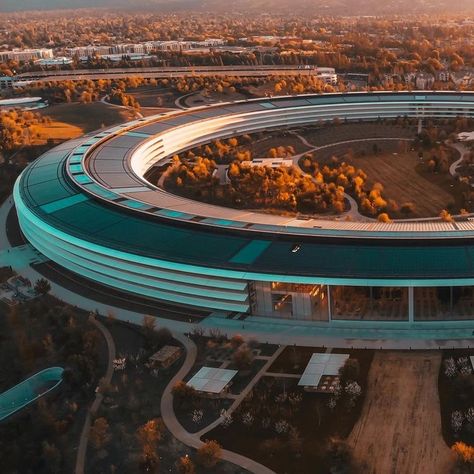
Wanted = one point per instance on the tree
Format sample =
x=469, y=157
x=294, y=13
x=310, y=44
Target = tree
x=464, y=453
x=446, y=216
x=183, y=393
x=185, y=465
x=338, y=457
x=349, y=371
x=148, y=436
x=209, y=454
x=384, y=217
x=42, y=287
x=99, y=432
x=243, y=357
x=52, y=457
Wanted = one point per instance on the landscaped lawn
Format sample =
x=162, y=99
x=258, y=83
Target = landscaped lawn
x=287, y=429
x=404, y=180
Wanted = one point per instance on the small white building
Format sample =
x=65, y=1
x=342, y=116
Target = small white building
x=270, y=162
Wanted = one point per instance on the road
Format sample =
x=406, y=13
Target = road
x=165, y=72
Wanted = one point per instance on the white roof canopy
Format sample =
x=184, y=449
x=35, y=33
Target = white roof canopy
x=322, y=364
x=211, y=380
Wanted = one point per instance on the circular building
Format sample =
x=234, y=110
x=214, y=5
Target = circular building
x=87, y=206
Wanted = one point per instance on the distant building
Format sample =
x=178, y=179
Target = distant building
x=6, y=82
x=328, y=78
x=26, y=54
x=59, y=61
x=271, y=162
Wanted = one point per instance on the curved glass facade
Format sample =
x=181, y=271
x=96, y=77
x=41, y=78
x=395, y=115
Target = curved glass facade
x=86, y=205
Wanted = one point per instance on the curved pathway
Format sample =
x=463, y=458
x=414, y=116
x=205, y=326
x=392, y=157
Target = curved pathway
x=399, y=429
x=82, y=449
x=192, y=439
x=463, y=151
x=180, y=102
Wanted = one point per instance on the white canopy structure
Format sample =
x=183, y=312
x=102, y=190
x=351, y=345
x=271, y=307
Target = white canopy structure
x=211, y=380
x=319, y=365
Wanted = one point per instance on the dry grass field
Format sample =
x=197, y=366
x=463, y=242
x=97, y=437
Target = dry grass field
x=399, y=430
x=154, y=96
x=402, y=182
x=87, y=117
x=57, y=131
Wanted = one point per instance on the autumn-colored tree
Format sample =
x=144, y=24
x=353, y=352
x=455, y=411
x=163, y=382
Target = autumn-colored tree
x=99, y=433
x=463, y=452
x=185, y=465
x=209, y=454
x=384, y=217
x=446, y=216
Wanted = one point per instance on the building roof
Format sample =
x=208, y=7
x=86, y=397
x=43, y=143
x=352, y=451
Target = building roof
x=104, y=203
x=319, y=365
x=211, y=380
x=164, y=353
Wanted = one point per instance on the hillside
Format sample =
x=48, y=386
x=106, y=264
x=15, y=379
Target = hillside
x=342, y=7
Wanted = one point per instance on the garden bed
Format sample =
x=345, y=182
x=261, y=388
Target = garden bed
x=456, y=395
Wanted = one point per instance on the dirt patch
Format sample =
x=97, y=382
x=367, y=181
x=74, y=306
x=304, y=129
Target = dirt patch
x=399, y=429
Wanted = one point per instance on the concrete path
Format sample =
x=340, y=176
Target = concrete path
x=463, y=151
x=240, y=398
x=399, y=430
x=84, y=439
x=348, y=142
x=105, y=100
x=180, y=102
x=175, y=427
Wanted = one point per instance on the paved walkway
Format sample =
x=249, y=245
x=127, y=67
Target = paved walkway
x=175, y=427
x=244, y=392
x=84, y=439
x=399, y=430
x=463, y=151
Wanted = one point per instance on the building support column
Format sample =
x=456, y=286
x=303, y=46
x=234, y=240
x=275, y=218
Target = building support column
x=329, y=303
x=411, y=304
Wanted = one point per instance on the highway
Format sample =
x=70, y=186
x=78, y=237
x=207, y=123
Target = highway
x=166, y=72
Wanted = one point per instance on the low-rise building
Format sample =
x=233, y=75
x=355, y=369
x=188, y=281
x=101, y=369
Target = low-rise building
x=6, y=82
x=26, y=54
x=165, y=357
